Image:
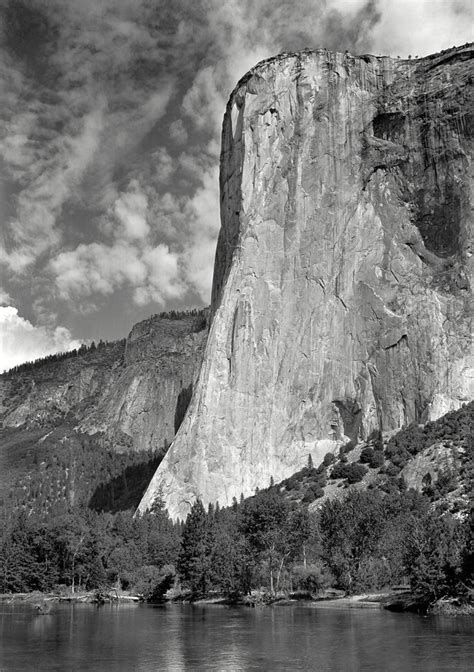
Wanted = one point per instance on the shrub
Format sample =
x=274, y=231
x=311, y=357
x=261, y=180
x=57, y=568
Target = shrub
x=315, y=491
x=339, y=471
x=446, y=482
x=366, y=455
x=392, y=470
x=329, y=459
x=317, y=479
x=292, y=483
x=378, y=459
x=311, y=578
x=164, y=583
x=144, y=579
x=374, y=458
x=347, y=447
x=352, y=472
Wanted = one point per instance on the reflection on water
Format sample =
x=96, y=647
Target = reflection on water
x=209, y=637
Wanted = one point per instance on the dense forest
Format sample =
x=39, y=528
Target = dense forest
x=367, y=541
x=69, y=526
x=85, y=476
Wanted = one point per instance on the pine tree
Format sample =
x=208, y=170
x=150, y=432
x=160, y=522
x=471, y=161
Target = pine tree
x=194, y=558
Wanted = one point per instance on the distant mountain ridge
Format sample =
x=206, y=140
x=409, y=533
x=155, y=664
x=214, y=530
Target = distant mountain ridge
x=133, y=392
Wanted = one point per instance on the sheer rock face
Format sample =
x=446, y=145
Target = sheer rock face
x=341, y=284
x=135, y=394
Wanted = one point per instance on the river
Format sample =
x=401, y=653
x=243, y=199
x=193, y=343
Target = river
x=144, y=638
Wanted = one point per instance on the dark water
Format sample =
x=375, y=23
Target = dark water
x=210, y=637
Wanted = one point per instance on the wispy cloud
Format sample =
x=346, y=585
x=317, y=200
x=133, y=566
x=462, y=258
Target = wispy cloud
x=74, y=117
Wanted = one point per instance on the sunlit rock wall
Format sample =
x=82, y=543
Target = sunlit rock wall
x=341, y=286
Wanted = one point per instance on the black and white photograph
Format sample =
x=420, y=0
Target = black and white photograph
x=236, y=336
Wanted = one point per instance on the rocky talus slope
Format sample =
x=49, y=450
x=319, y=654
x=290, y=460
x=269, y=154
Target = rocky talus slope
x=341, y=287
x=133, y=394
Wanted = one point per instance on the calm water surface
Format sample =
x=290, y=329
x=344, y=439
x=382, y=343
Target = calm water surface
x=211, y=637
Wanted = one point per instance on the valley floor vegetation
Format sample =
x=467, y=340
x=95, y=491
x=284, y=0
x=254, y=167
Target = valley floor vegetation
x=68, y=526
x=367, y=541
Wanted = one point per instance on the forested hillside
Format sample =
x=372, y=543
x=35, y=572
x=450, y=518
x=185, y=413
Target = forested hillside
x=351, y=524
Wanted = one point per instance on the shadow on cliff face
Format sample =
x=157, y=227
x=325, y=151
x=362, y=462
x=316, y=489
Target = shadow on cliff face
x=438, y=199
x=439, y=223
x=124, y=492
x=351, y=416
x=389, y=126
x=184, y=398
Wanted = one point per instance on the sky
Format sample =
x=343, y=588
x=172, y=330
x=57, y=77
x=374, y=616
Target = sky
x=110, y=123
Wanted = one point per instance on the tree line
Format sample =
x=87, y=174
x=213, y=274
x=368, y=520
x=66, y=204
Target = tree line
x=81, y=549
x=84, y=349
x=366, y=541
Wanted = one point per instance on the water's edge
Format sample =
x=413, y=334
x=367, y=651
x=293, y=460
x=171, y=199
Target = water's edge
x=399, y=601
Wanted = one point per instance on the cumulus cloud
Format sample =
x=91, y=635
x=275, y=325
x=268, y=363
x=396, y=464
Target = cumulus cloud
x=99, y=268
x=130, y=259
x=133, y=257
x=21, y=341
x=162, y=276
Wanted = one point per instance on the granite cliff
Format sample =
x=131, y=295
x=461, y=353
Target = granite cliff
x=340, y=304
x=131, y=394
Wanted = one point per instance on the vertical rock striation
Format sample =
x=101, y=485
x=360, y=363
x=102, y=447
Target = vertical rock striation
x=341, y=283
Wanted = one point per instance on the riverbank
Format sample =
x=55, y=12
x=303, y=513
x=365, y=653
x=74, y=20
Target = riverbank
x=88, y=597
x=398, y=601
x=390, y=600
x=406, y=602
